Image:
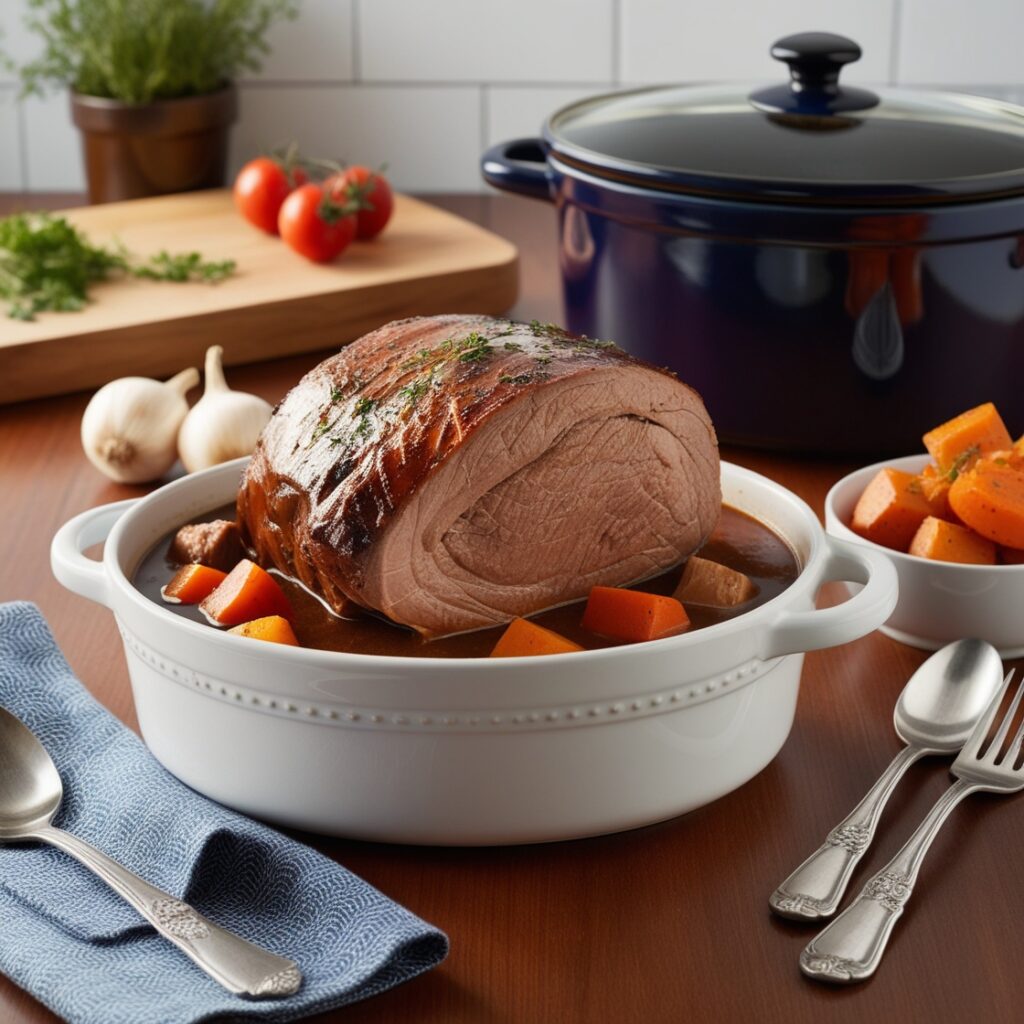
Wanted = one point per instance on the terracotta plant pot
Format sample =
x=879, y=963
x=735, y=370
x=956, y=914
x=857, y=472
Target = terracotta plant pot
x=136, y=150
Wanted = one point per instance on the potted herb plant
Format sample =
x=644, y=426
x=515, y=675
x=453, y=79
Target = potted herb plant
x=151, y=84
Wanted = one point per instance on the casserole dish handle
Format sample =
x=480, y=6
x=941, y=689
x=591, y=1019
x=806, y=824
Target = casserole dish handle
x=794, y=632
x=81, y=575
x=518, y=166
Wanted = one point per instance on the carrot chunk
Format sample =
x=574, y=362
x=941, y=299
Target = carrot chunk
x=191, y=584
x=523, y=638
x=956, y=443
x=891, y=509
x=990, y=499
x=271, y=628
x=632, y=615
x=949, y=542
x=247, y=593
x=713, y=584
x=935, y=489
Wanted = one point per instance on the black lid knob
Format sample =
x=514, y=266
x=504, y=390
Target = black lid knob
x=815, y=60
x=816, y=54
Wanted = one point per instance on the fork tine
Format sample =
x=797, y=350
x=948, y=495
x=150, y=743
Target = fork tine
x=977, y=737
x=1015, y=746
x=1004, y=727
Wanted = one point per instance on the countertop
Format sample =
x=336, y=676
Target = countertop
x=661, y=924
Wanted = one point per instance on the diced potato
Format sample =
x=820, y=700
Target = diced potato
x=710, y=583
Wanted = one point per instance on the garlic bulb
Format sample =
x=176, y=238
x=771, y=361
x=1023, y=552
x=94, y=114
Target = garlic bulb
x=131, y=425
x=223, y=424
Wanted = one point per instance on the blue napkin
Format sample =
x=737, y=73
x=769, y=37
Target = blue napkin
x=81, y=950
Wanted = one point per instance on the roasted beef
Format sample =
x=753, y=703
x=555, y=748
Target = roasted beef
x=453, y=472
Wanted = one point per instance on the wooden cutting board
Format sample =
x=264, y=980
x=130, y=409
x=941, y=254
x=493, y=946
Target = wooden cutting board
x=427, y=261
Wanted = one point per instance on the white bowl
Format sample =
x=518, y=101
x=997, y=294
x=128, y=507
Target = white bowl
x=468, y=751
x=938, y=601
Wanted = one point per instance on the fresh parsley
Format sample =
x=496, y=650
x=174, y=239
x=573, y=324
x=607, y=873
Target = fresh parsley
x=46, y=264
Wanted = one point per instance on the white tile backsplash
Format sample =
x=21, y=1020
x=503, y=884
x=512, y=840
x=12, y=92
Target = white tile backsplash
x=429, y=136
x=16, y=41
x=53, y=152
x=956, y=42
x=514, y=112
x=694, y=40
x=481, y=41
x=317, y=46
x=426, y=85
x=10, y=143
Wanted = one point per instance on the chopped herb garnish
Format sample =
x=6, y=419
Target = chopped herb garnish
x=473, y=347
x=420, y=359
x=415, y=390
x=336, y=394
x=47, y=264
x=364, y=406
x=961, y=462
x=513, y=346
x=519, y=378
x=543, y=360
x=545, y=329
x=182, y=266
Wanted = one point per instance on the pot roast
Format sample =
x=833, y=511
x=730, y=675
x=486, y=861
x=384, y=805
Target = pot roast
x=454, y=472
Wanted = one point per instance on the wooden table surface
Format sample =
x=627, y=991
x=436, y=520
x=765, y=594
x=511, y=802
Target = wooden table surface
x=666, y=923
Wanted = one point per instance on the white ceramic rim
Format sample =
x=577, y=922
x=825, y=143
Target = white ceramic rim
x=837, y=526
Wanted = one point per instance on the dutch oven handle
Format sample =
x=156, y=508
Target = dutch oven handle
x=518, y=166
x=81, y=575
x=795, y=632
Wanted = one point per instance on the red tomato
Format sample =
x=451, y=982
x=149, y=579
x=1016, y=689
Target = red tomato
x=373, y=189
x=261, y=187
x=314, y=226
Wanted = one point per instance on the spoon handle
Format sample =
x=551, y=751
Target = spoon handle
x=851, y=947
x=815, y=889
x=238, y=965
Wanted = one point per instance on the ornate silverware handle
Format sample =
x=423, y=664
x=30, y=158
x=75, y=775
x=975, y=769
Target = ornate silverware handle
x=238, y=965
x=851, y=947
x=814, y=890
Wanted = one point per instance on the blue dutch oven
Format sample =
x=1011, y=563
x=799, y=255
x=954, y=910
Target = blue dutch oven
x=834, y=269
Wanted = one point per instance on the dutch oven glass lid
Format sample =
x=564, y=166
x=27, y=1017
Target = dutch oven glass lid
x=810, y=138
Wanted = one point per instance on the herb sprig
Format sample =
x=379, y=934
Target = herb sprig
x=46, y=264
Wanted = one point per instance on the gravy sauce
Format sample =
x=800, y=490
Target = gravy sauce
x=739, y=541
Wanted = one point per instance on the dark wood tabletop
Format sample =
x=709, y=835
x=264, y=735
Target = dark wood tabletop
x=662, y=924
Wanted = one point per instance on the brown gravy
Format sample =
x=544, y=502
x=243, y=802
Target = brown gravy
x=739, y=541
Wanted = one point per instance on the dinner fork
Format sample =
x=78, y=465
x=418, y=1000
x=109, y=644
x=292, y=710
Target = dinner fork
x=851, y=947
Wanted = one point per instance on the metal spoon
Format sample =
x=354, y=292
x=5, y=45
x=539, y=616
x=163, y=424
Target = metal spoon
x=31, y=792
x=938, y=708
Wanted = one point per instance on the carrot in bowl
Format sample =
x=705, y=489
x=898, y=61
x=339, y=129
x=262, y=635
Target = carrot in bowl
x=271, y=628
x=522, y=639
x=990, y=499
x=954, y=444
x=891, y=509
x=191, y=584
x=949, y=542
x=632, y=615
x=247, y=593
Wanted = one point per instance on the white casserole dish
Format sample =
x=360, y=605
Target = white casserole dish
x=468, y=751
